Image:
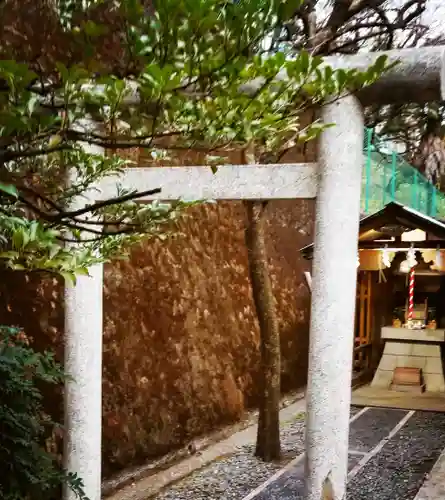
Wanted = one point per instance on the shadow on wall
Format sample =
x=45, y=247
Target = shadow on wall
x=181, y=340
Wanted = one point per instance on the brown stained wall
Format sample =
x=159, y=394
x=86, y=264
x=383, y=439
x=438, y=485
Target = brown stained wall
x=180, y=335
x=181, y=338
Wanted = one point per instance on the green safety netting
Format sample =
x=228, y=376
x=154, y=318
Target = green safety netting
x=388, y=177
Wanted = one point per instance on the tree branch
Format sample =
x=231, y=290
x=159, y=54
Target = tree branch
x=106, y=203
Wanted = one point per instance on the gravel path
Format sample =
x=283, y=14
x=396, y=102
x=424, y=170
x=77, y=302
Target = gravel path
x=398, y=447
x=233, y=477
x=394, y=472
x=398, y=471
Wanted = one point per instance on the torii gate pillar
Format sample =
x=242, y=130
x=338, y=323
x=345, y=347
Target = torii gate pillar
x=83, y=365
x=418, y=76
x=333, y=297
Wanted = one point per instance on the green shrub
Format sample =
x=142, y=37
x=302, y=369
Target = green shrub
x=27, y=469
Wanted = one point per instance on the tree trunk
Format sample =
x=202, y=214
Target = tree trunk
x=268, y=437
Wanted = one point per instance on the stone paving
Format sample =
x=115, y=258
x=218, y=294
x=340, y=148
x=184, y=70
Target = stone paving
x=434, y=486
x=391, y=453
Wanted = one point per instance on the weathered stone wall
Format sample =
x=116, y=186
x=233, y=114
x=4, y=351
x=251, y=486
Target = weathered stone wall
x=180, y=334
x=181, y=345
x=181, y=339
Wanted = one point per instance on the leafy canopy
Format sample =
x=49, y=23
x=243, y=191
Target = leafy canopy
x=184, y=75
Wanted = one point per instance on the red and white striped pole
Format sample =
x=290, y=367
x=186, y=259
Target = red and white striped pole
x=411, y=294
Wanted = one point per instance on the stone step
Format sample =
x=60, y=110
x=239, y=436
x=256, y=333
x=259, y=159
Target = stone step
x=416, y=389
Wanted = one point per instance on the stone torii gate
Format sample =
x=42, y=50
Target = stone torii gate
x=335, y=181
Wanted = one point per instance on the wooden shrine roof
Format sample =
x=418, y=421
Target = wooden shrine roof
x=392, y=221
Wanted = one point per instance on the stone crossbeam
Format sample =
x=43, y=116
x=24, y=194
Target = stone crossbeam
x=418, y=76
x=230, y=182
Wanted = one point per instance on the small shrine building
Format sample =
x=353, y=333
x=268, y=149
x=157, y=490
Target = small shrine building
x=400, y=309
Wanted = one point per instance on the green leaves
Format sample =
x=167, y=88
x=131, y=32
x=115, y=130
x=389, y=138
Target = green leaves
x=9, y=189
x=34, y=246
x=287, y=9
x=32, y=471
x=192, y=77
x=70, y=278
x=17, y=75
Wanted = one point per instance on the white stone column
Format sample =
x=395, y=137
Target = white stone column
x=83, y=393
x=83, y=365
x=333, y=298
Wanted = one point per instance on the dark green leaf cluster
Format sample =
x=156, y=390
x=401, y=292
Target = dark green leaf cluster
x=27, y=470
